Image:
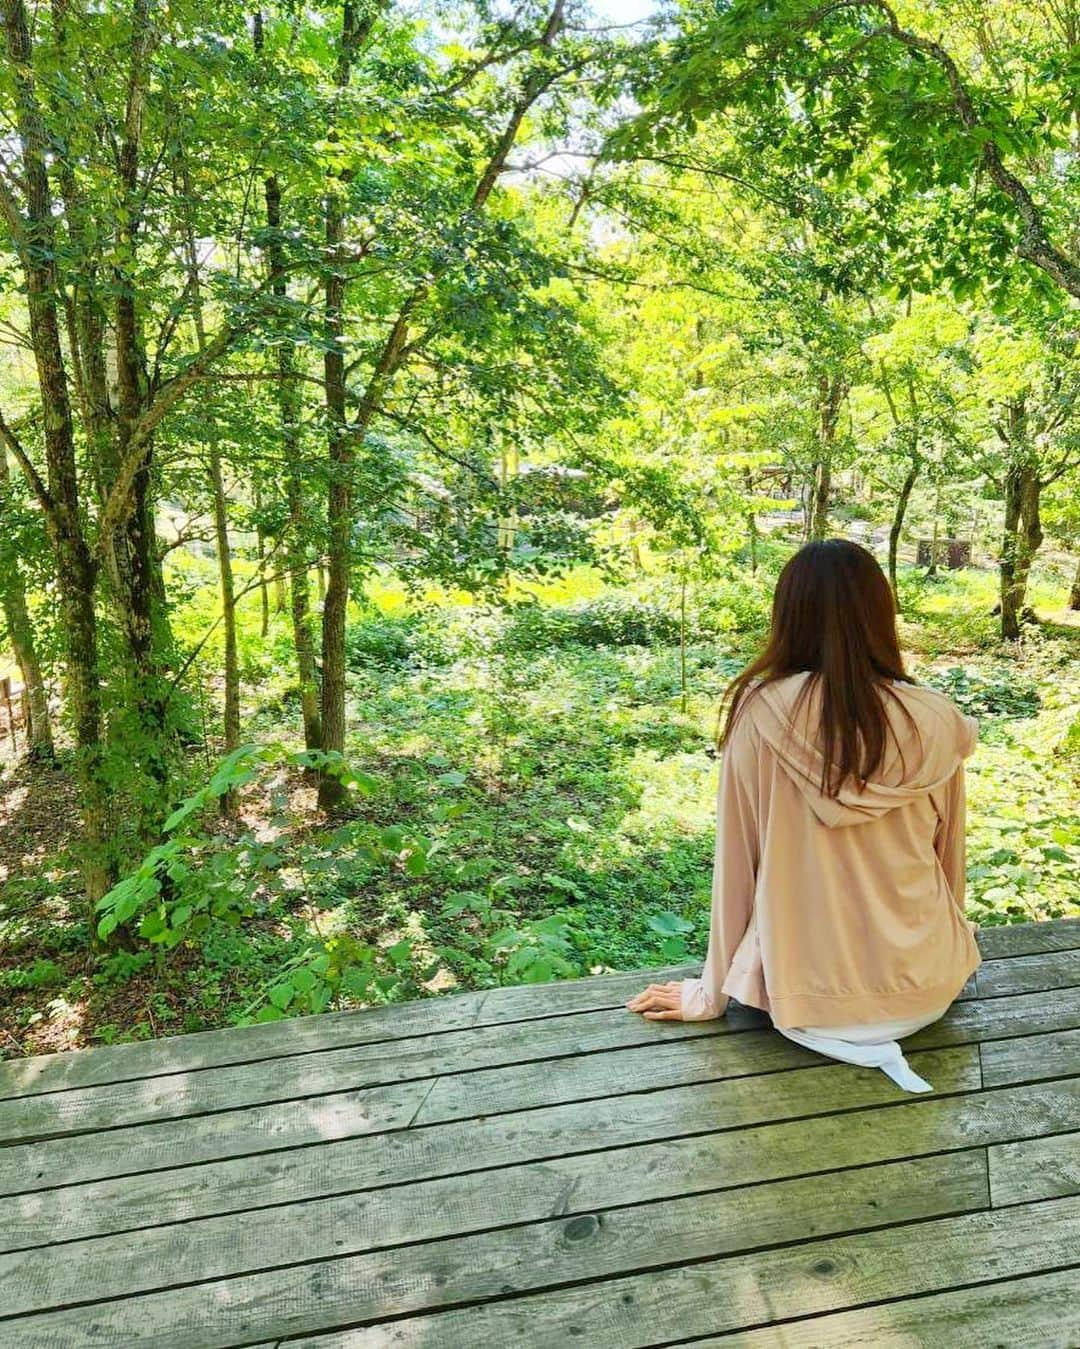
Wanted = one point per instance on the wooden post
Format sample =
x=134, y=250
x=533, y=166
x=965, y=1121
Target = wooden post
x=5, y=688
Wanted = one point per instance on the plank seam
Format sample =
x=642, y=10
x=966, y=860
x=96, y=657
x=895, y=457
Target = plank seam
x=856, y=1306
x=31, y=1138
x=454, y=1030
x=562, y=1214
x=550, y=1157
x=557, y=1286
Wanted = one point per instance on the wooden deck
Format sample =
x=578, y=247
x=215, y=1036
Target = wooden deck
x=536, y=1166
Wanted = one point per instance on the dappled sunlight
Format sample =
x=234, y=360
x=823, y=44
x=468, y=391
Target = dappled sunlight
x=678, y=792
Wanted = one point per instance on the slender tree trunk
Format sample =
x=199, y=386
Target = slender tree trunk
x=1021, y=540
x=831, y=391
x=1010, y=609
x=76, y=572
x=21, y=635
x=394, y=353
x=339, y=515
x=935, y=534
x=1074, y=593
x=297, y=561
x=228, y=613
x=221, y=519
x=751, y=521
x=260, y=553
x=341, y=447
x=897, y=526
x=682, y=642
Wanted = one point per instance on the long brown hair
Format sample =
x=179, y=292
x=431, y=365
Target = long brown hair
x=832, y=616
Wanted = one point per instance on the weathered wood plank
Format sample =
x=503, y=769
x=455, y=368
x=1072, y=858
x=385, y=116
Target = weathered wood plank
x=331, y=1030
x=1028, y=974
x=1039, y=1309
x=750, y=1290
x=236, y=1132
x=230, y=1045
x=1035, y=1168
x=466, y=1086
x=1025, y=939
x=472, y=1076
x=403, y=1204
x=985, y=1019
x=466, y=1269
x=605, y=1075
x=1012, y=1060
x=187, y=1142
x=166, y=1095
x=608, y=1123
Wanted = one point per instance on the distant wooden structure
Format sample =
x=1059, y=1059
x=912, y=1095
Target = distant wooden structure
x=955, y=554
x=536, y=1167
x=12, y=706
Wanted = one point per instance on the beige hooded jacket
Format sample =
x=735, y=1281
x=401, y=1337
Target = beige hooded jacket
x=830, y=912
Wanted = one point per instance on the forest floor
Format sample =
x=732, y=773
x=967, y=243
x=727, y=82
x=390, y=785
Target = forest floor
x=539, y=804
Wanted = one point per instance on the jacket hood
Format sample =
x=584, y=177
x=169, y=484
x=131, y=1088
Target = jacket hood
x=922, y=752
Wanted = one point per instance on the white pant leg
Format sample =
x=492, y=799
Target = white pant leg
x=868, y=1046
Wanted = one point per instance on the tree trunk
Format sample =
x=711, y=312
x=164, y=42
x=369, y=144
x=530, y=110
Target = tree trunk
x=751, y=521
x=21, y=635
x=896, y=528
x=76, y=572
x=393, y=354
x=831, y=394
x=228, y=614
x=297, y=561
x=1074, y=593
x=339, y=516
x=260, y=553
x=1021, y=540
x=341, y=453
x=935, y=534
x=135, y=567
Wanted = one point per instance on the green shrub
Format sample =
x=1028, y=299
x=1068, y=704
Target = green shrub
x=612, y=620
x=998, y=694
x=41, y=974
x=387, y=642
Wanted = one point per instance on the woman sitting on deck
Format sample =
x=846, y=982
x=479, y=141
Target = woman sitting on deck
x=838, y=886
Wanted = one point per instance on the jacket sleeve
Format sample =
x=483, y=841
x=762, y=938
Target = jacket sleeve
x=734, y=873
x=949, y=839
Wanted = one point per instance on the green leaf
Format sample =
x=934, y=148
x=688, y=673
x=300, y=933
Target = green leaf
x=669, y=924
x=304, y=979
x=400, y=952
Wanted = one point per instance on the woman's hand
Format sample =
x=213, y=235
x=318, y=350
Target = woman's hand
x=659, y=1002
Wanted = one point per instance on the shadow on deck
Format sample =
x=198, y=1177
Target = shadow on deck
x=536, y=1166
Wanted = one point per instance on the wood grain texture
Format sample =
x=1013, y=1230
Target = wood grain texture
x=395, y=1199
x=1013, y=1060
x=331, y=1030
x=435, y=1016
x=1028, y=974
x=746, y=1291
x=538, y=1167
x=597, y=1244
x=1026, y=939
x=582, y=1065
x=1035, y=1168
x=242, y=1132
x=1039, y=1310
